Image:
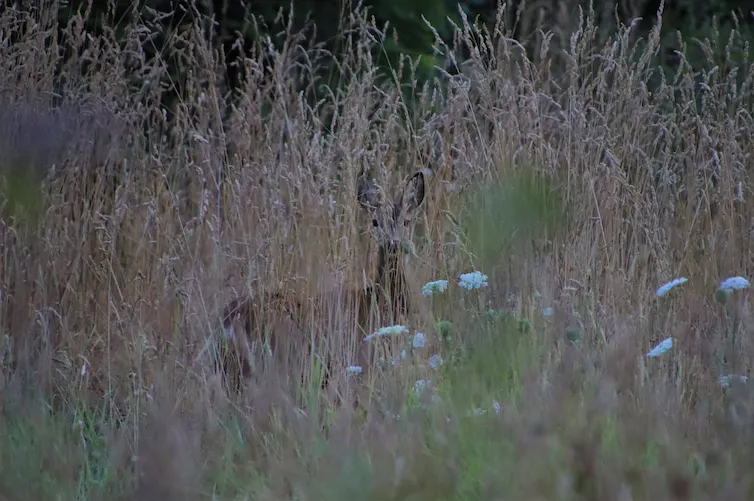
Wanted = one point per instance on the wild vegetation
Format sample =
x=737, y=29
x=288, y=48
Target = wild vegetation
x=559, y=195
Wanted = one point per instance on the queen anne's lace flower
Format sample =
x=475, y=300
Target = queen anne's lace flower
x=473, y=280
x=496, y=405
x=668, y=286
x=418, y=341
x=661, y=348
x=400, y=357
x=729, y=286
x=435, y=361
x=420, y=386
x=436, y=287
x=393, y=330
x=735, y=283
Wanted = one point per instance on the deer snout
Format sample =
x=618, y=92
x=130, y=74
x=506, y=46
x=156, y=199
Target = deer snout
x=407, y=247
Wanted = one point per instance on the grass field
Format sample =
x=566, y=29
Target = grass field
x=577, y=183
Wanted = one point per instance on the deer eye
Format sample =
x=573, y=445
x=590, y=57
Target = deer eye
x=375, y=223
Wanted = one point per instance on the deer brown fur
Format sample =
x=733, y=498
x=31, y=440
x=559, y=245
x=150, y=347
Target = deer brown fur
x=280, y=318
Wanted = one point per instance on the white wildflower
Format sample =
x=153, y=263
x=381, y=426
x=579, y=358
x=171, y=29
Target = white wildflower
x=436, y=287
x=728, y=286
x=497, y=407
x=726, y=381
x=393, y=330
x=735, y=283
x=666, y=288
x=418, y=341
x=479, y=411
x=420, y=386
x=661, y=348
x=435, y=361
x=354, y=369
x=402, y=356
x=473, y=280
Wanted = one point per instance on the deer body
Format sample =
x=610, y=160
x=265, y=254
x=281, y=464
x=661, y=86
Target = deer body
x=282, y=319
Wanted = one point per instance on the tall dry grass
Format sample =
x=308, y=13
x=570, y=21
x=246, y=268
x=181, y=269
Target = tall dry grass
x=154, y=219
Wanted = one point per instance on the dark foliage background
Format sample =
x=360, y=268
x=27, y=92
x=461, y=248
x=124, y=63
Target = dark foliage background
x=236, y=24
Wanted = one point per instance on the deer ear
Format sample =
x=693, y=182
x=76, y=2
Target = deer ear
x=414, y=192
x=368, y=193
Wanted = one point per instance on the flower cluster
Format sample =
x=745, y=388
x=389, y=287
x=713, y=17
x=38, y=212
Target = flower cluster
x=473, y=280
x=436, y=287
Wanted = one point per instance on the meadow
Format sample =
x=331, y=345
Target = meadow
x=562, y=192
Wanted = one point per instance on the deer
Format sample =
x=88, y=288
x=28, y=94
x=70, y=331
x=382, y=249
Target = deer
x=280, y=317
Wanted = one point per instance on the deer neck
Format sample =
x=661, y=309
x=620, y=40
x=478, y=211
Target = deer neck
x=390, y=284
